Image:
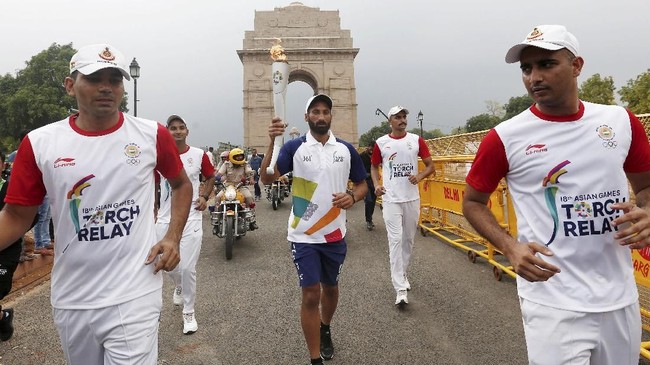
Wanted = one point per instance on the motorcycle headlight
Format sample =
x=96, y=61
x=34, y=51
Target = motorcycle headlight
x=231, y=194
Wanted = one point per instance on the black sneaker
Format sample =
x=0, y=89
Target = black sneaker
x=6, y=324
x=370, y=226
x=326, y=346
x=253, y=226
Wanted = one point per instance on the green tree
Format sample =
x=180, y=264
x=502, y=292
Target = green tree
x=458, y=130
x=516, y=105
x=637, y=94
x=434, y=133
x=39, y=96
x=598, y=90
x=495, y=108
x=481, y=122
x=374, y=133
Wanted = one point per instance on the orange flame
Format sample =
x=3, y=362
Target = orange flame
x=277, y=52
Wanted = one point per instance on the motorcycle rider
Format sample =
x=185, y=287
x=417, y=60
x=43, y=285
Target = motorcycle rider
x=224, y=157
x=232, y=172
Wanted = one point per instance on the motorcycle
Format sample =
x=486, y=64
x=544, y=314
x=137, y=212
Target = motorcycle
x=232, y=218
x=276, y=192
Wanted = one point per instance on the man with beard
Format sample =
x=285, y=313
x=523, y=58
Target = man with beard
x=322, y=165
x=397, y=153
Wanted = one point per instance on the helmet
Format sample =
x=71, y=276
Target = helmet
x=237, y=156
x=225, y=155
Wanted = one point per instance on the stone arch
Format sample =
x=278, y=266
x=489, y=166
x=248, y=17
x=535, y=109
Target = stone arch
x=304, y=76
x=320, y=54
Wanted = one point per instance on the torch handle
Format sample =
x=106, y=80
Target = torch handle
x=277, y=144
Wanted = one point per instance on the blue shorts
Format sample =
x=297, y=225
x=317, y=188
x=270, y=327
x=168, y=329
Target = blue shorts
x=319, y=263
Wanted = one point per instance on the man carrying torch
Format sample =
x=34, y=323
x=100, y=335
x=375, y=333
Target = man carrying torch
x=322, y=165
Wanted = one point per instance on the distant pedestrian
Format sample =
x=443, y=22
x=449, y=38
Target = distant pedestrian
x=397, y=153
x=197, y=165
x=370, y=198
x=256, y=161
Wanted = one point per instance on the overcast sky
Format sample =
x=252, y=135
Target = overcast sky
x=445, y=58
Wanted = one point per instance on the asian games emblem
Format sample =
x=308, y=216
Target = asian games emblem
x=583, y=209
x=277, y=77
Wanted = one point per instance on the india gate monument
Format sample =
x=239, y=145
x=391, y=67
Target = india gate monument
x=319, y=53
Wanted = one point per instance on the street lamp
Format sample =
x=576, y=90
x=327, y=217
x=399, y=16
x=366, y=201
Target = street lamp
x=378, y=111
x=134, y=70
x=419, y=118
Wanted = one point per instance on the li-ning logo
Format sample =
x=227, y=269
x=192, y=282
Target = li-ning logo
x=63, y=162
x=535, y=148
x=553, y=177
x=606, y=133
x=107, y=55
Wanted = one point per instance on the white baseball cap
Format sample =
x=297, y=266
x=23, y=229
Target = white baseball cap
x=320, y=97
x=90, y=59
x=396, y=109
x=550, y=37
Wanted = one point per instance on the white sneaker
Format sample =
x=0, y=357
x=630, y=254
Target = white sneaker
x=189, y=324
x=178, y=298
x=402, y=298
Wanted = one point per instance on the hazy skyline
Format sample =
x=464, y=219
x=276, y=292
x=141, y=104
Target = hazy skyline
x=443, y=58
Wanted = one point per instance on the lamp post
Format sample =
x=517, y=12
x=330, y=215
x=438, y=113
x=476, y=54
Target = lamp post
x=419, y=118
x=134, y=71
x=378, y=111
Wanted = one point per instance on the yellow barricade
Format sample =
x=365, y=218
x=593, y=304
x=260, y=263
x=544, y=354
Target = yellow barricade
x=441, y=212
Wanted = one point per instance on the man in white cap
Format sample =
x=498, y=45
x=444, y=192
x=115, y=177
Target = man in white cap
x=196, y=164
x=322, y=165
x=97, y=167
x=567, y=163
x=398, y=153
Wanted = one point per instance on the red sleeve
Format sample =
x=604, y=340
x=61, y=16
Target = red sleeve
x=424, y=149
x=207, y=170
x=168, y=161
x=375, y=159
x=26, y=187
x=638, y=157
x=490, y=164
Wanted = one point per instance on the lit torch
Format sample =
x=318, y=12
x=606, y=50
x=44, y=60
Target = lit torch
x=280, y=74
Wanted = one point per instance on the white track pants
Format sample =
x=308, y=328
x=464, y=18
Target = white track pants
x=184, y=275
x=123, y=334
x=401, y=221
x=562, y=337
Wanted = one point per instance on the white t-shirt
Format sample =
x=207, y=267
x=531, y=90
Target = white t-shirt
x=399, y=160
x=101, y=191
x=564, y=173
x=318, y=172
x=196, y=163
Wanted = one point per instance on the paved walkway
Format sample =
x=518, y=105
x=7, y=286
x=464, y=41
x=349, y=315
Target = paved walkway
x=247, y=308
